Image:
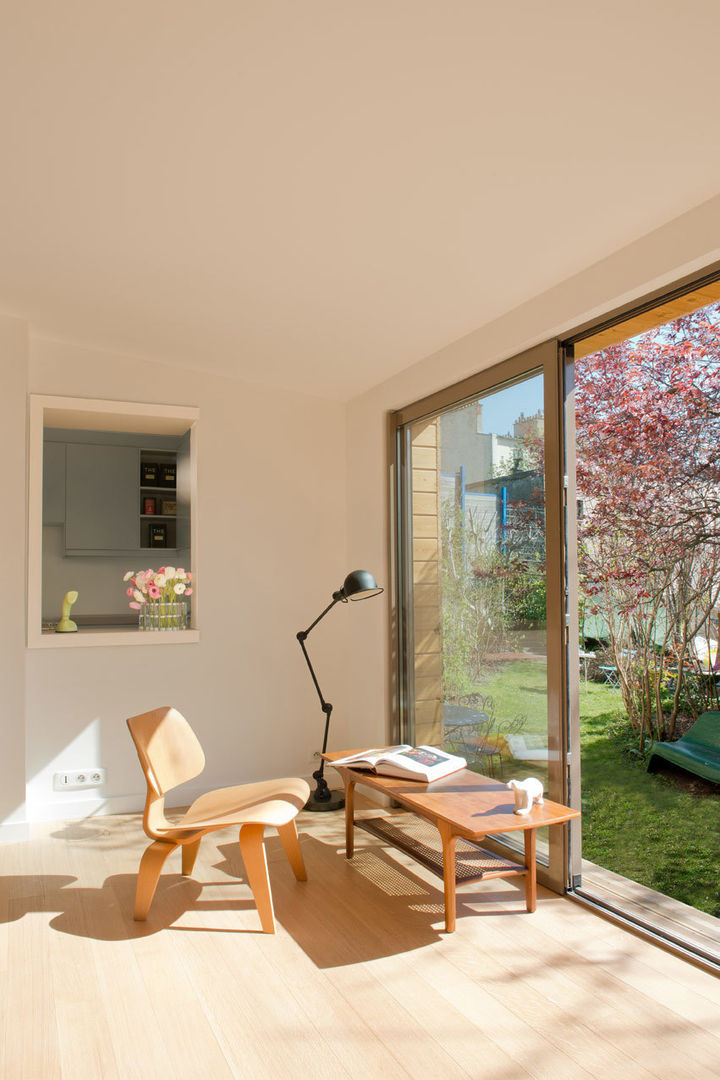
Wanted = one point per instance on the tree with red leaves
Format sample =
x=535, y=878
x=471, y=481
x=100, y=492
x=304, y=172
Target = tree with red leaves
x=648, y=441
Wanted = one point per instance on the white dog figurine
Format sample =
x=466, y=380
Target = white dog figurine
x=527, y=792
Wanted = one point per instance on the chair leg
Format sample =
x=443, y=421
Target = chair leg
x=189, y=855
x=150, y=866
x=253, y=853
x=289, y=838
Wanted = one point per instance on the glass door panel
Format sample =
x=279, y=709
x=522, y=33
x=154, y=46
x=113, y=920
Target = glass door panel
x=477, y=571
x=647, y=432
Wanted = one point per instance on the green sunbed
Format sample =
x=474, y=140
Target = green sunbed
x=698, y=751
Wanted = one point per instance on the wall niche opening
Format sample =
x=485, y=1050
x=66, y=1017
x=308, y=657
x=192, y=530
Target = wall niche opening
x=112, y=488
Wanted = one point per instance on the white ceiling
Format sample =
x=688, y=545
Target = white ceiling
x=315, y=194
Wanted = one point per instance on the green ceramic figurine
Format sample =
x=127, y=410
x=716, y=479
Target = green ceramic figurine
x=66, y=625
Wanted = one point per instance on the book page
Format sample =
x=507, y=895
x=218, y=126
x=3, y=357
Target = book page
x=423, y=756
x=371, y=757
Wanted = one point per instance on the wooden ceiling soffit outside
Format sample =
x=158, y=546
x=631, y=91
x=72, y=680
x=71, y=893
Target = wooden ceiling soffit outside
x=649, y=320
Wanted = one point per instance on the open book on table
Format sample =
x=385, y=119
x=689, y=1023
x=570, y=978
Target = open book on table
x=424, y=763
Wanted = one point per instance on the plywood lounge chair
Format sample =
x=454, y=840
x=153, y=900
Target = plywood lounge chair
x=698, y=751
x=170, y=754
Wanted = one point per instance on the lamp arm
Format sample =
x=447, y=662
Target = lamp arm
x=325, y=705
x=302, y=634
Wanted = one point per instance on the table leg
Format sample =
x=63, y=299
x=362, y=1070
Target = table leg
x=449, y=840
x=349, y=818
x=531, y=876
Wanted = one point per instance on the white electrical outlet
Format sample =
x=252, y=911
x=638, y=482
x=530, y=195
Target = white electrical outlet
x=82, y=778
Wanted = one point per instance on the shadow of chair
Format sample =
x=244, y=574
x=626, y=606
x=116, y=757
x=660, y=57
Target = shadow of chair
x=170, y=754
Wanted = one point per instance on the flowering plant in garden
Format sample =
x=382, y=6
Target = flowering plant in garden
x=647, y=414
x=167, y=585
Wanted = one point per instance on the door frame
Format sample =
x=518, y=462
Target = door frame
x=547, y=358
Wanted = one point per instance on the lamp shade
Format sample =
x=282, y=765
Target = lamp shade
x=359, y=585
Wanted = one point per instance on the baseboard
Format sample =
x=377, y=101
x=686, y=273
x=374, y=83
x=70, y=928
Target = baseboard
x=15, y=832
x=82, y=805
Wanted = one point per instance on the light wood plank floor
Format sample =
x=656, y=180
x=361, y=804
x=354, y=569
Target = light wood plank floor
x=359, y=981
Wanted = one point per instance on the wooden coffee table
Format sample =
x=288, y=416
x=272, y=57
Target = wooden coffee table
x=463, y=806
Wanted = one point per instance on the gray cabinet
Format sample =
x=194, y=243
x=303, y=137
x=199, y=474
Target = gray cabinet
x=102, y=498
x=53, y=483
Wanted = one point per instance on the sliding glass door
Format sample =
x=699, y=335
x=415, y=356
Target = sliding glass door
x=558, y=596
x=483, y=639
x=647, y=441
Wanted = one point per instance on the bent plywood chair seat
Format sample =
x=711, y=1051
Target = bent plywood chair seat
x=170, y=754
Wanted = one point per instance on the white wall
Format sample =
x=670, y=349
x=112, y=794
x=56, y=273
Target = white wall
x=13, y=353
x=271, y=550
x=683, y=246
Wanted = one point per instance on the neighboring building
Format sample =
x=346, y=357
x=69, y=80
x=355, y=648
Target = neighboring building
x=526, y=427
x=482, y=472
x=464, y=445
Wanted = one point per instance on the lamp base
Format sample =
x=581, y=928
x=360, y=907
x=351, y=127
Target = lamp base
x=335, y=802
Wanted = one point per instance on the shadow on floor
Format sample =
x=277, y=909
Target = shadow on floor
x=348, y=911
x=105, y=913
x=374, y=905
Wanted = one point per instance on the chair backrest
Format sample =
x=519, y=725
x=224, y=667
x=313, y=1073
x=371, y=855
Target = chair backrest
x=168, y=748
x=705, y=731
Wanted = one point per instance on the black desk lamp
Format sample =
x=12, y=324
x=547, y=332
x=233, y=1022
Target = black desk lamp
x=358, y=585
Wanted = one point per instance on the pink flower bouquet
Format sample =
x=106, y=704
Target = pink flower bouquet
x=167, y=585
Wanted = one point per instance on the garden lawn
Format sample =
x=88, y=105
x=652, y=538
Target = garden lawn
x=519, y=688
x=644, y=826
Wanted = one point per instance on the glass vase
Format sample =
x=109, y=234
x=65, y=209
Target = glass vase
x=157, y=615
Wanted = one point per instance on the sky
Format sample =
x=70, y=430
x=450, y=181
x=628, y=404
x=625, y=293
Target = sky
x=502, y=408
